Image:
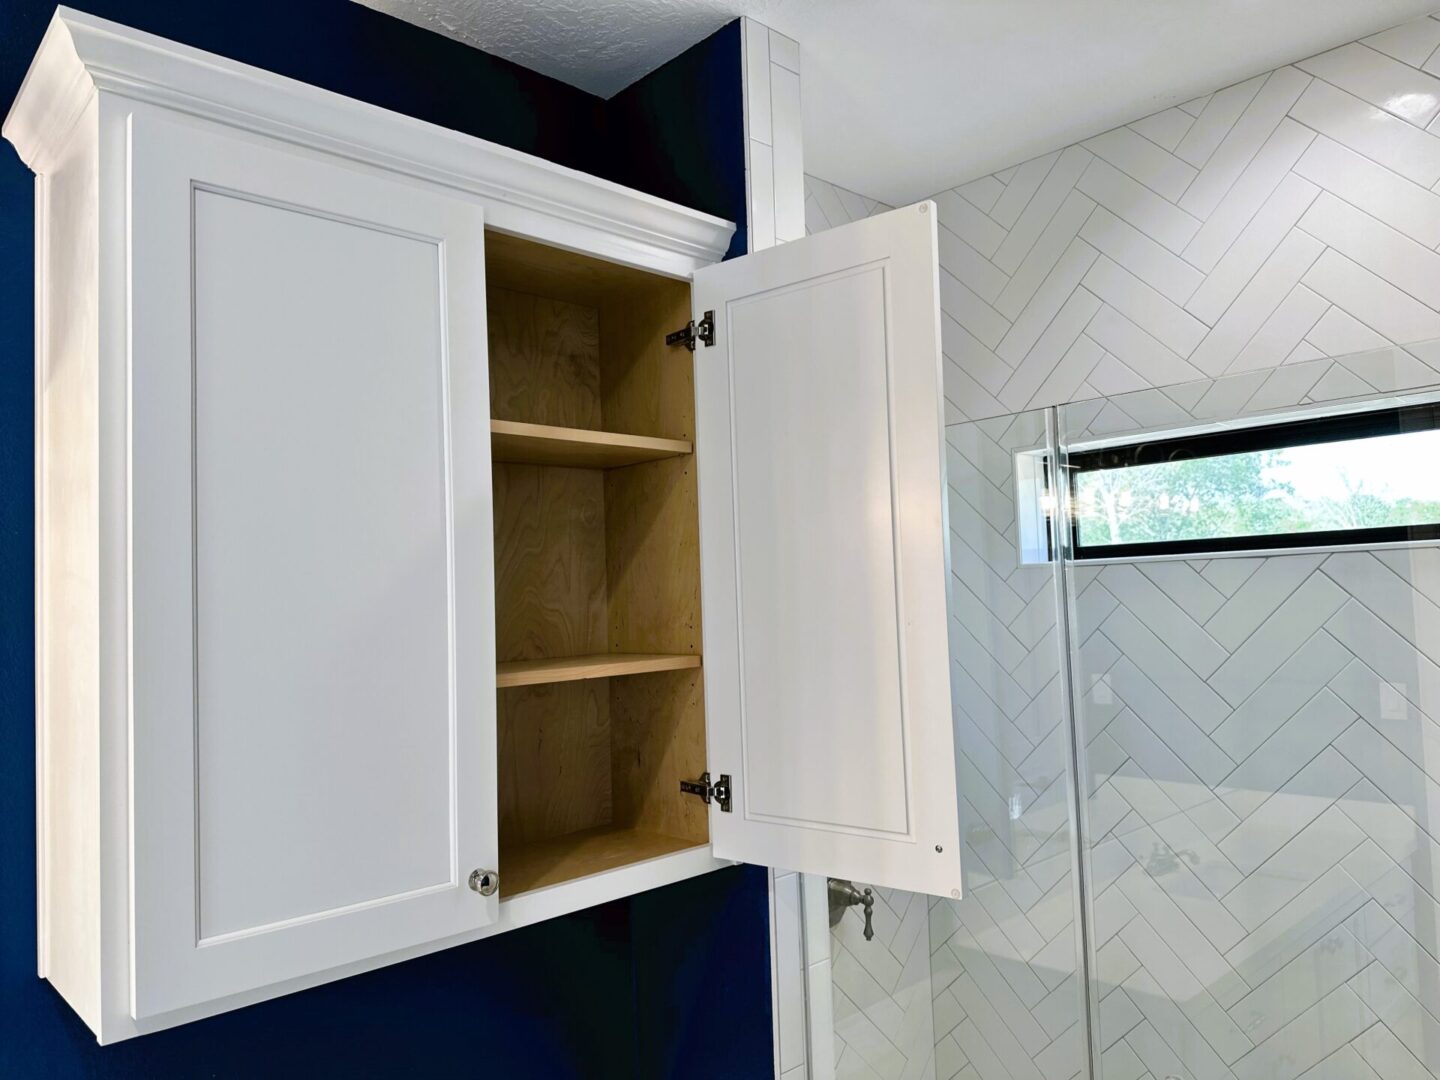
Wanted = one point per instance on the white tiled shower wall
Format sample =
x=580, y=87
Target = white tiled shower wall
x=1252, y=924
x=1292, y=216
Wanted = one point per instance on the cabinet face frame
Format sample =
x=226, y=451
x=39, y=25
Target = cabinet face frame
x=189, y=942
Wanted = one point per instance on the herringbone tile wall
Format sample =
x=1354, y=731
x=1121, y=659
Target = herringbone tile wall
x=881, y=992
x=1291, y=217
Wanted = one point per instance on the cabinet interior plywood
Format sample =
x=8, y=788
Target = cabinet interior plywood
x=530, y=866
x=560, y=669
x=545, y=444
x=597, y=565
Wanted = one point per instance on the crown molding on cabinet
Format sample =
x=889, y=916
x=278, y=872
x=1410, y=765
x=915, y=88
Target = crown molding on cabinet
x=82, y=55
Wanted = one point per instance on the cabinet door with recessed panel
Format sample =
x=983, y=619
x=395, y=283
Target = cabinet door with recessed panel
x=312, y=716
x=820, y=450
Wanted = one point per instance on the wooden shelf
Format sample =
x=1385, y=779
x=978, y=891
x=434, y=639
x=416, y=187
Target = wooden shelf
x=593, y=666
x=543, y=444
x=524, y=867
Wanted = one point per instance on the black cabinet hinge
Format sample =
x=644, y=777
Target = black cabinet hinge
x=719, y=790
x=692, y=332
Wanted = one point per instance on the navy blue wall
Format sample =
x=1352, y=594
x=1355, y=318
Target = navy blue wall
x=673, y=982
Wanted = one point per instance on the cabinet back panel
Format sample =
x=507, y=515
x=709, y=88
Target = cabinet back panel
x=549, y=562
x=544, y=360
x=554, y=760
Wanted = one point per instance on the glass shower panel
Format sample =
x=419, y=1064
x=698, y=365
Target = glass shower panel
x=1260, y=770
x=1004, y=958
x=984, y=986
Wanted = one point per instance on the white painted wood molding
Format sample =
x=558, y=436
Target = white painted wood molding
x=82, y=55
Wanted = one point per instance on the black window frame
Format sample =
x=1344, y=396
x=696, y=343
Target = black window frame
x=1341, y=427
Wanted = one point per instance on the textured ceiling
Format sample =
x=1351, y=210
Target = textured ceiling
x=903, y=98
x=598, y=45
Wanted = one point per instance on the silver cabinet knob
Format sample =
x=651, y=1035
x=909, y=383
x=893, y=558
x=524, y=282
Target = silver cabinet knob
x=485, y=882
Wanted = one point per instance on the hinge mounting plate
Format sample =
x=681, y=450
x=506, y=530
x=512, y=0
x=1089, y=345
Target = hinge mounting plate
x=691, y=332
x=718, y=790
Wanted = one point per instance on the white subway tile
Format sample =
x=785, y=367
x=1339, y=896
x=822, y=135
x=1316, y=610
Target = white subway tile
x=789, y=965
x=1215, y=118
x=1383, y=138
x=1270, y=226
x=1372, y=300
x=1020, y=187
x=1338, y=384
x=1376, y=190
x=1110, y=377
x=820, y=1048
x=762, y=196
x=1260, y=118
x=1172, y=276
x=784, y=51
x=789, y=163
x=1282, y=331
x=1158, y=169
x=1384, y=82
x=1054, y=291
x=1340, y=334
x=1167, y=322
x=1057, y=185
x=1057, y=335
x=982, y=193
x=1411, y=43
x=1063, y=227
x=1377, y=247
x=967, y=308
x=756, y=42
x=968, y=223
x=1264, y=292
x=1137, y=204
x=1139, y=351
x=1249, y=193
x=1165, y=129
x=1196, y=105
x=977, y=272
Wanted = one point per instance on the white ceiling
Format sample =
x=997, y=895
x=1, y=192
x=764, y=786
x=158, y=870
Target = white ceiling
x=904, y=98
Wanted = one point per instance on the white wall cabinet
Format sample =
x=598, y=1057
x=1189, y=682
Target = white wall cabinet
x=394, y=572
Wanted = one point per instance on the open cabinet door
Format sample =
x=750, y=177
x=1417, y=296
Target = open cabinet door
x=820, y=452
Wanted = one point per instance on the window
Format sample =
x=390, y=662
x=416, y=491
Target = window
x=1358, y=478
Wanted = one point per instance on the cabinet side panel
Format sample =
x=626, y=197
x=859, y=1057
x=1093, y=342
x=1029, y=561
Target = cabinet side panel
x=653, y=563
x=68, y=560
x=646, y=386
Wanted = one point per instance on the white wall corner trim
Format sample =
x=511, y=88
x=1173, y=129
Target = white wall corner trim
x=81, y=55
x=774, y=155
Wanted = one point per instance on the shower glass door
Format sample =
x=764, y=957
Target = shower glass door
x=1256, y=695
x=987, y=985
x=1200, y=808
